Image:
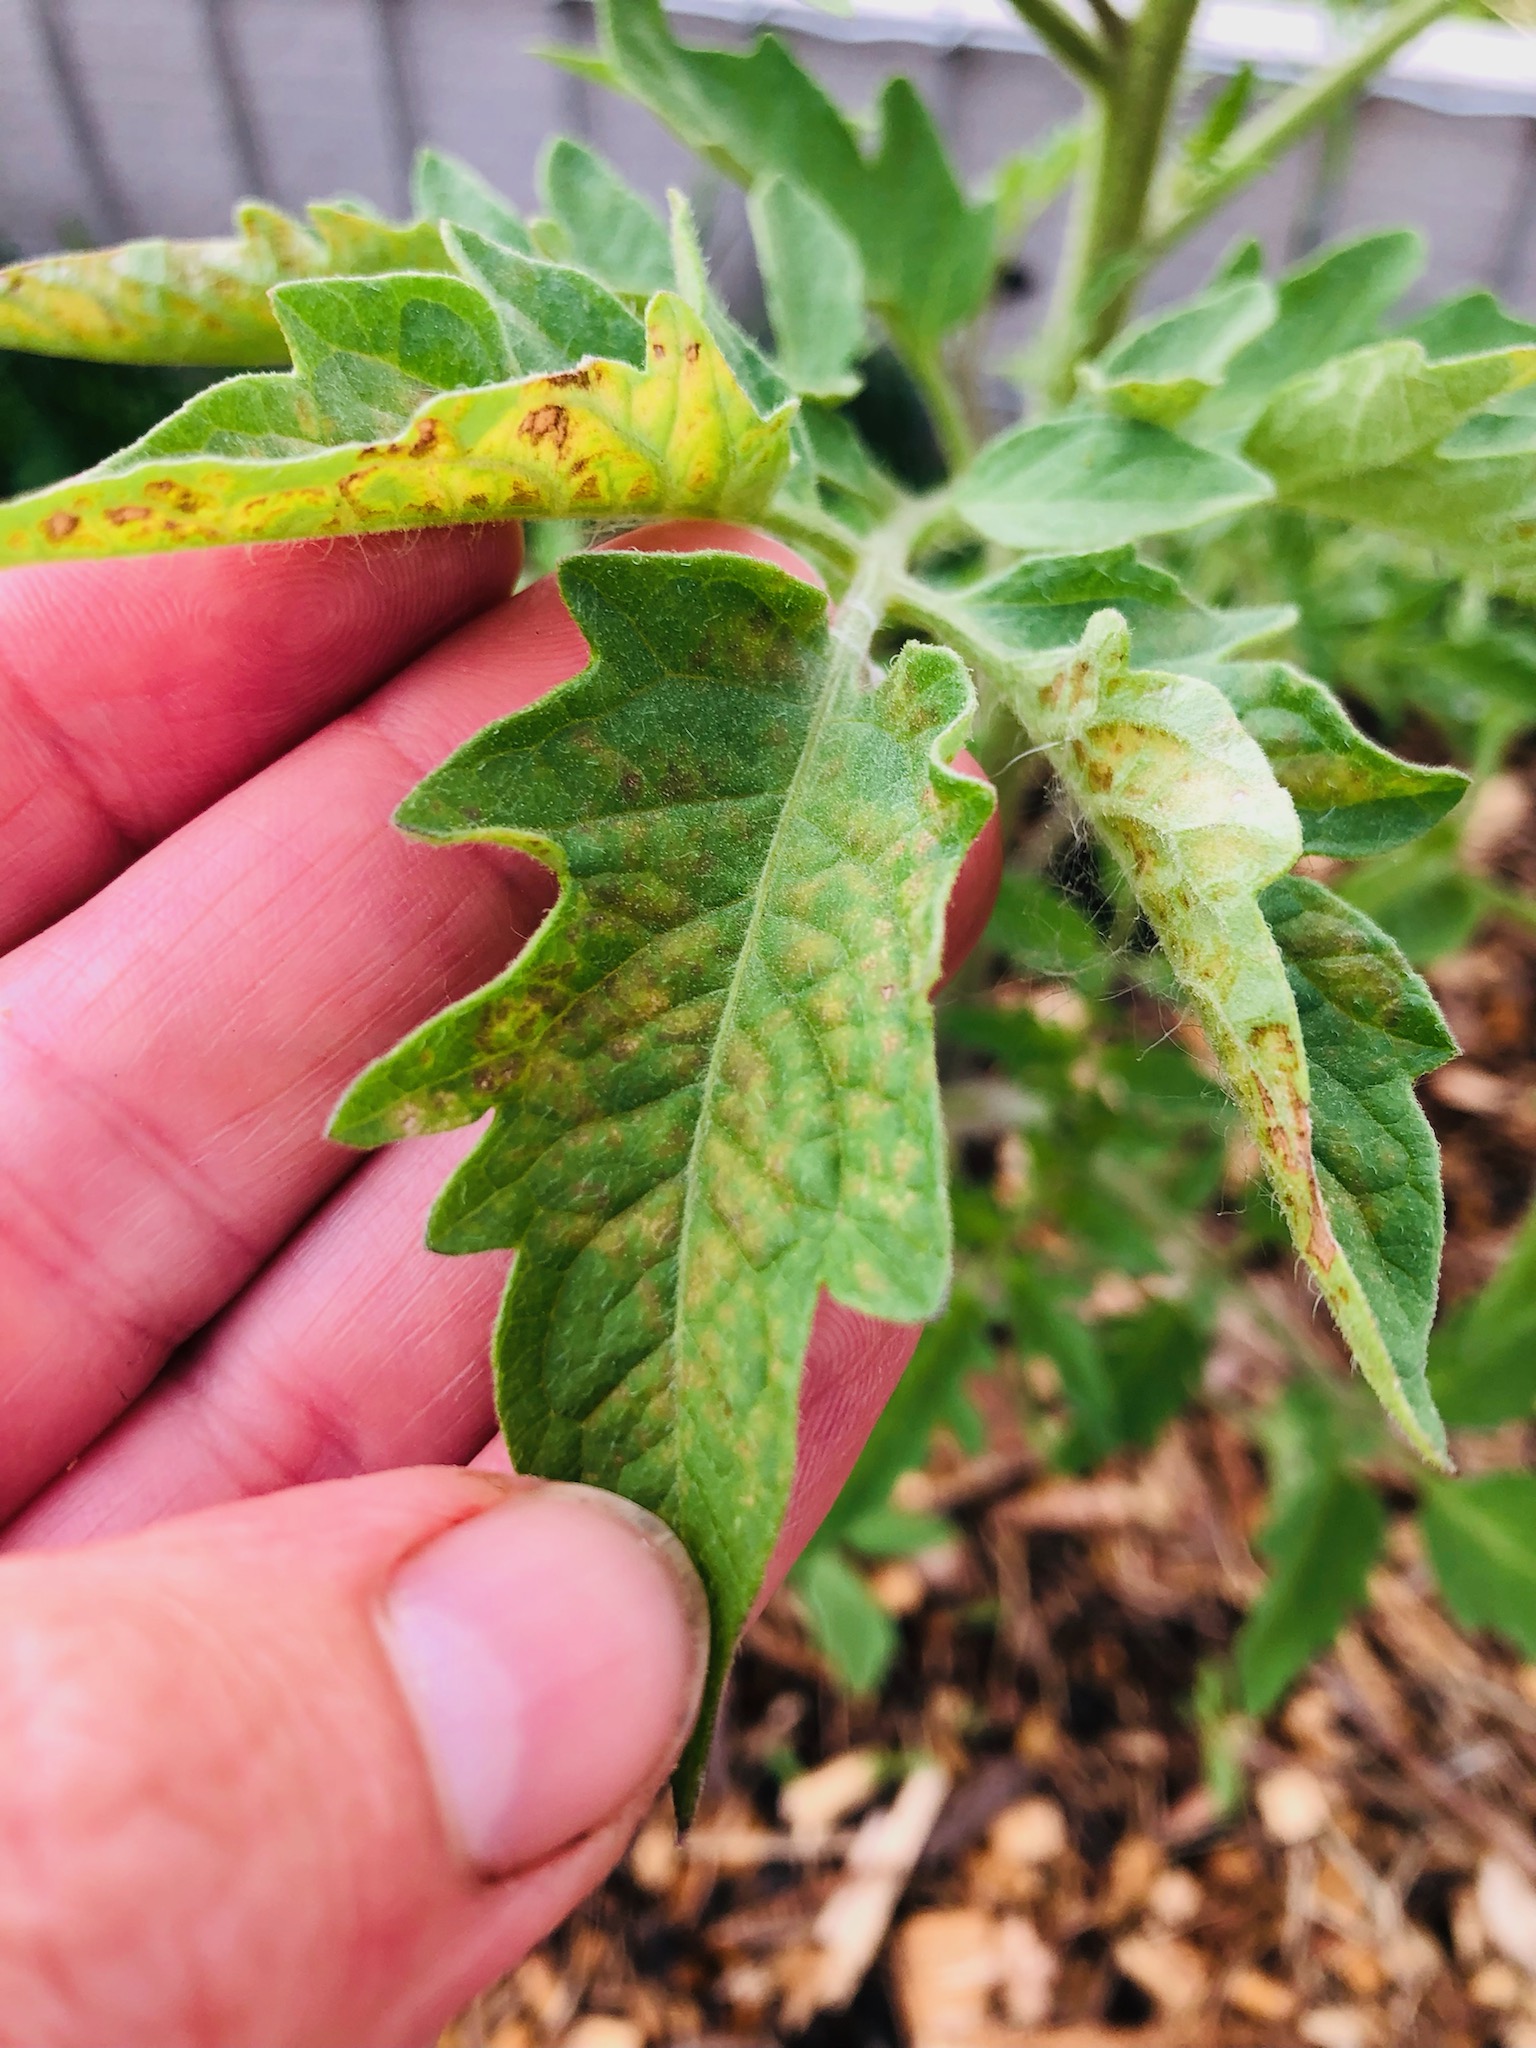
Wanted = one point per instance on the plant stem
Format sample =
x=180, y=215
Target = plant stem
x=925, y=363
x=1123, y=146
x=1072, y=47
x=1284, y=121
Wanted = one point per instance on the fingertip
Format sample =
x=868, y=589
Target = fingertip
x=552, y=1652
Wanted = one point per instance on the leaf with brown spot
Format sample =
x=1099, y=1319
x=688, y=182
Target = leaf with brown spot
x=1188, y=803
x=713, y=1066
x=400, y=413
x=198, y=302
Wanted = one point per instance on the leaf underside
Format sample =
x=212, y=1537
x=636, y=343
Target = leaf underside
x=712, y=1068
x=1162, y=769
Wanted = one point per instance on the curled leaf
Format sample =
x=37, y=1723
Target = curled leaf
x=347, y=444
x=1189, y=805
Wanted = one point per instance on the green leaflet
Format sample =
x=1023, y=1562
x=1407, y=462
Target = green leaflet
x=852, y=1630
x=1093, y=482
x=1372, y=410
x=814, y=286
x=927, y=253
x=1334, y=301
x=1353, y=798
x=200, y=303
x=1161, y=368
x=349, y=444
x=1370, y=1028
x=1039, y=609
x=1324, y=1532
x=1440, y=451
x=603, y=224
x=1481, y=1538
x=713, y=1066
x=1027, y=180
x=550, y=315
x=1469, y=324
x=444, y=188
x=1188, y=804
x=1482, y=1359
x=927, y=1394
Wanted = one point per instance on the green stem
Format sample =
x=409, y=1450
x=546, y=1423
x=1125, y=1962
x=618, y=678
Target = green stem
x=1072, y=47
x=1123, y=147
x=824, y=540
x=924, y=362
x=1284, y=121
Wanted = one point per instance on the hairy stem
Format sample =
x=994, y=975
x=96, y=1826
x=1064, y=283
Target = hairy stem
x=1287, y=118
x=1123, y=148
x=1072, y=47
x=925, y=364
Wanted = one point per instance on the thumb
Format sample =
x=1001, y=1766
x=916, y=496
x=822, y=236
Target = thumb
x=315, y=1768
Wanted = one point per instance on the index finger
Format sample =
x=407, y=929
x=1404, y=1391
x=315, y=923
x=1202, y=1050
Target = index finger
x=134, y=693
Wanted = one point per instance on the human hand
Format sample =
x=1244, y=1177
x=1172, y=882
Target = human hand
x=315, y=1763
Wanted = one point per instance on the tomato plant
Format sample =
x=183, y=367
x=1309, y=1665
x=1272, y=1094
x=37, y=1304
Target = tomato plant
x=712, y=1069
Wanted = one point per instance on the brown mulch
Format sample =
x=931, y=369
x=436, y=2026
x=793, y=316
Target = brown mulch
x=1018, y=1845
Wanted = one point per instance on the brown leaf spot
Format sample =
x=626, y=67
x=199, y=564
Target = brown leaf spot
x=659, y=350
x=691, y=352
x=582, y=379
x=548, y=423
x=124, y=515
x=60, y=525
x=425, y=438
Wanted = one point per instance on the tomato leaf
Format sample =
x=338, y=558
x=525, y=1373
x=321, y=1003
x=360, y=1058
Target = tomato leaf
x=713, y=1067
x=1353, y=797
x=1321, y=1545
x=1370, y=1029
x=602, y=224
x=1090, y=481
x=926, y=251
x=1161, y=368
x=1482, y=1359
x=351, y=442
x=1190, y=807
x=1481, y=1539
x=204, y=302
x=1371, y=410
x=813, y=282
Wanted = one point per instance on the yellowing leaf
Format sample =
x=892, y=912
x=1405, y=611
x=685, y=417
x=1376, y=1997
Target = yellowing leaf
x=249, y=460
x=712, y=1068
x=1187, y=801
x=198, y=302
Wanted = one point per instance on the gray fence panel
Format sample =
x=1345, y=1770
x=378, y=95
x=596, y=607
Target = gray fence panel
x=151, y=115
